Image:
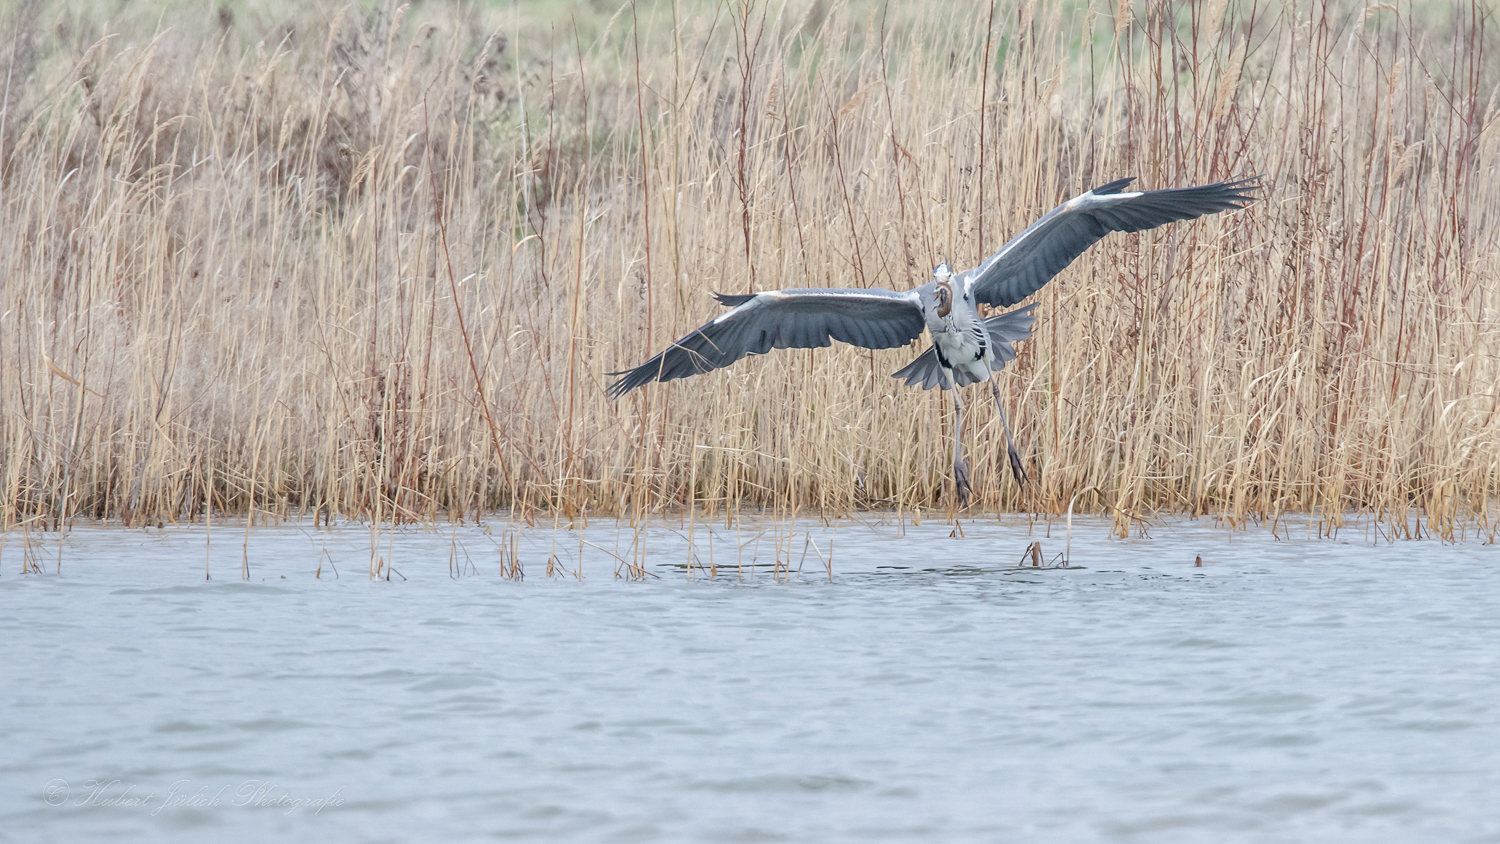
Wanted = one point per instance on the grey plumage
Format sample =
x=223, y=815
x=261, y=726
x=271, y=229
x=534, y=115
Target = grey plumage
x=965, y=348
x=800, y=318
x=1031, y=258
x=1005, y=329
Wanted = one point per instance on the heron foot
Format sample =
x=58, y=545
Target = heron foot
x=1016, y=468
x=961, y=481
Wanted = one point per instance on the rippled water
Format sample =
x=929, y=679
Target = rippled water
x=1288, y=690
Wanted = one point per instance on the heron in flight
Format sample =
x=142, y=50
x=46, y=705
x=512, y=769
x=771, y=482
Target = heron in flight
x=966, y=348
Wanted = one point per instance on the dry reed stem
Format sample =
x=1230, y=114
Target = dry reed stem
x=234, y=256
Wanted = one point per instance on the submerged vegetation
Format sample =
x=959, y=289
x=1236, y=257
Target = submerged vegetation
x=375, y=261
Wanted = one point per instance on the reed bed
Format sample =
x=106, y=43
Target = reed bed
x=376, y=262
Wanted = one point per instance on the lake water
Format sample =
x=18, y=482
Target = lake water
x=1290, y=689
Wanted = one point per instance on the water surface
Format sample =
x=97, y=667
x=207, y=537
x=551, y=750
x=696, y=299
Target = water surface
x=1289, y=689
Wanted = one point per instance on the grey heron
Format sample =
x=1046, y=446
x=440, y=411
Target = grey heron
x=966, y=348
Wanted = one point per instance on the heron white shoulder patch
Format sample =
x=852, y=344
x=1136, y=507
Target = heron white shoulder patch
x=1110, y=198
x=742, y=307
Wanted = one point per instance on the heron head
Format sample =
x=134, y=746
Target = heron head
x=943, y=276
x=944, y=297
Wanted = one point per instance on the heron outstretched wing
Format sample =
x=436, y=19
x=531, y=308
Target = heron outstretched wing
x=1031, y=258
x=807, y=318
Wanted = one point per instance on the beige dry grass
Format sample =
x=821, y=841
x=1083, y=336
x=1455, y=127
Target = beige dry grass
x=376, y=262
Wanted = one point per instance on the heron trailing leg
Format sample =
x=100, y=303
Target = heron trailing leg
x=960, y=467
x=1010, y=443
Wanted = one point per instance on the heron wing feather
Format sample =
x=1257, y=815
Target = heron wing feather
x=807, y=318
x=1033, y=257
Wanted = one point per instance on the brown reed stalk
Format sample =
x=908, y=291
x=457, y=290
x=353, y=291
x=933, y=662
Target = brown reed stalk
x=224, y=235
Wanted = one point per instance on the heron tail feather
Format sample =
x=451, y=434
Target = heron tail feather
x=924, y=373
x=1005, y=330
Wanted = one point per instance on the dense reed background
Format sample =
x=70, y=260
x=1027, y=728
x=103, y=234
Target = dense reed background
x=375, y=261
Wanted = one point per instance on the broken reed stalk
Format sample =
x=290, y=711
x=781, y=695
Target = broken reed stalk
x=221, y=231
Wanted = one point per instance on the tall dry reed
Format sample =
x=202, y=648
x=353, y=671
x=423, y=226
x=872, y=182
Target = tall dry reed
x=376, y=261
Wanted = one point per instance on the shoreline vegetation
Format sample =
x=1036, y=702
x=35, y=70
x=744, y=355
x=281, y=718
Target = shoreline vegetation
x=375, y=261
